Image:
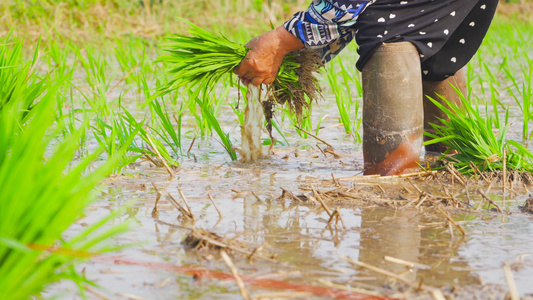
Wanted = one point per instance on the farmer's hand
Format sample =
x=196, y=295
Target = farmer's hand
x=266, y=53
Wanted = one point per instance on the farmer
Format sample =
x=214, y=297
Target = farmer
x=407, y=49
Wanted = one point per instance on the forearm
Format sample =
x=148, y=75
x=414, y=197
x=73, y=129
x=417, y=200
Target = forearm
x=287, y=42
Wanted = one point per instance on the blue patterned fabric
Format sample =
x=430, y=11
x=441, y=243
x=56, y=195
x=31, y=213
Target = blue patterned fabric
x=327, y=25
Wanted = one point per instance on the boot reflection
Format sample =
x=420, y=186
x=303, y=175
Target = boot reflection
x=405, y=235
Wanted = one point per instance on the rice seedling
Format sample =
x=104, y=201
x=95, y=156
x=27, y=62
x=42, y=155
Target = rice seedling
x=347, y=106
x=70, y=119
x=18, y=80
x=164, y=127
x=503, y=69
x=478, y=139
x=203, y=60
x=134, y=58
x=112, y=137
x=125, y=128
x=98, y=78
x=522, y=93
x=59, y=61
x=41, y=198
x=208, y=115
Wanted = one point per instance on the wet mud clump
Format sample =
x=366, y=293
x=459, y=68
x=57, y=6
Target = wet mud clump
x=528, y=205
x=205, y=242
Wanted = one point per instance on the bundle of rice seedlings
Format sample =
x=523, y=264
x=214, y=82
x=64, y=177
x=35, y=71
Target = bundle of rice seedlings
x=478, y=139
x=204, y=59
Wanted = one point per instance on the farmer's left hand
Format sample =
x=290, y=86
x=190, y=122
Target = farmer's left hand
x=266, y=53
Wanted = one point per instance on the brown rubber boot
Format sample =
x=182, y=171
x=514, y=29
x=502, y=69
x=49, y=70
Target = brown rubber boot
x=432, y=113
x=393, y=121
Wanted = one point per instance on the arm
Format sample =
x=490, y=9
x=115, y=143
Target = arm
x=324, y=26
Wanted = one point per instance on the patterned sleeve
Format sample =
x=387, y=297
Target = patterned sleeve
x=327, y=25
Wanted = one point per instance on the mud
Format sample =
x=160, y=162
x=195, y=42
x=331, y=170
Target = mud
x=305, y=224
x=300, y=251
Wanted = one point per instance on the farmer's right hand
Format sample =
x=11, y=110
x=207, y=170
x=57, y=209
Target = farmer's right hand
x=262, y=62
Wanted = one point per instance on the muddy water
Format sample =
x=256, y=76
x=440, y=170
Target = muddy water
x=308, y=253
x=307, y=250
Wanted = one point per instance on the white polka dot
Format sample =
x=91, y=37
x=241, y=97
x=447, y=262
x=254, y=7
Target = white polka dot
x=483, y=6
x=452, y=13
x=472, y=24
x=385, y=32
x=403, y=2
x=425, y=72
x=430, y=44
x=436, y=20
x=380, y=36
x=422, y=32
x=392, y=16
x=453, y=59
x=462, y=41
x=421, y=55
x=411, y=25
x=446, y=31
x=381, y=20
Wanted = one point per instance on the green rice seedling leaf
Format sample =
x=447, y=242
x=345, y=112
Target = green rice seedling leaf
x=202, y=60
x=207, y=113
x=167, y=132
x=279, y=131
x=115, y=138
x=43, y=198
x=147, y=138
x=474, y=137
x=18, y=80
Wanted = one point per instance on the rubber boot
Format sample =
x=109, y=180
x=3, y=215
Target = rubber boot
x=432, y=113
x=393, y=120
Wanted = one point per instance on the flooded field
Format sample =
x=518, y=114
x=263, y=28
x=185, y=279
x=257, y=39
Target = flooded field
x=100, y=103
x=284, y=247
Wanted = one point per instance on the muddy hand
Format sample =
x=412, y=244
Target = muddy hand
x=266, y=53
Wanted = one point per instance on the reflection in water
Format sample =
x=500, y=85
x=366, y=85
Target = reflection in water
x=304, y=240
x=403, y=234
x=390, y=233
x=308, y=250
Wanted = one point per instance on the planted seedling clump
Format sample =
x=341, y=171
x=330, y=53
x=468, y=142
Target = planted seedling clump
x=479, y=139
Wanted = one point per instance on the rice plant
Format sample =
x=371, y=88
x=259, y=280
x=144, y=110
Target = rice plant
x=479, y=139
x=41, y=198
x=522, y=93
x=208, y=115
x=18, y=81
x=347, y=106
x=204, y=60
x=164, y=127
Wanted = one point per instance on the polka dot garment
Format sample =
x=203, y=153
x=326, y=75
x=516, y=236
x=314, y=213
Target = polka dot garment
x=447, y=33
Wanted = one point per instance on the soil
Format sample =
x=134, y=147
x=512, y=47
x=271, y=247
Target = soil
x=286, y=244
